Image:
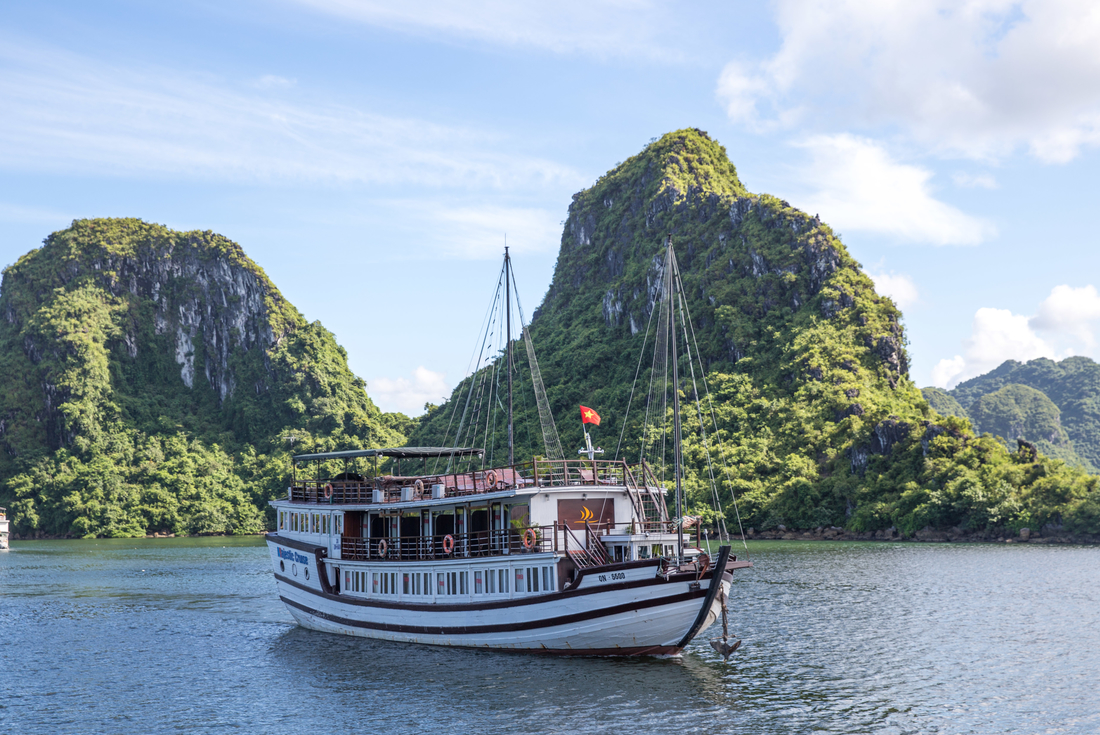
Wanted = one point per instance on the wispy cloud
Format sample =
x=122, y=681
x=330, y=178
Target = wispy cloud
x=972, y=181
x=72, y=114
x=601, y=28
x=859, y=186
x=479, y=232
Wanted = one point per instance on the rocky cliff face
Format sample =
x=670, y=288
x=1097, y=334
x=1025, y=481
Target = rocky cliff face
x=127, y=287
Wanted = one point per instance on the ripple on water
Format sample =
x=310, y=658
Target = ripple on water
x=187, y=634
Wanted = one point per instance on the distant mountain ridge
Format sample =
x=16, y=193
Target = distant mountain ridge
x=1072, y=386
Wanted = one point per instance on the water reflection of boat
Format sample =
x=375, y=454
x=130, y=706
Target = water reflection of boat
x=562, y=556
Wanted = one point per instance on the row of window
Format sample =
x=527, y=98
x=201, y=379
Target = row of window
x=445, y=584
x=303, y=522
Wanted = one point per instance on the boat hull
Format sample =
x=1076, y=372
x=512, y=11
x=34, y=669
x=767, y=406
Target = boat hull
x=646, y=614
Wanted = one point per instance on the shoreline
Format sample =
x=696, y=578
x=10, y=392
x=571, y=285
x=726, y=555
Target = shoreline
x=925, y=535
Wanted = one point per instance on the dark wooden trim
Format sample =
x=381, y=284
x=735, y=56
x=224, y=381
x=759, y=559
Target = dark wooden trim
x=294, y=543
x=712, y=592
x=503, y=627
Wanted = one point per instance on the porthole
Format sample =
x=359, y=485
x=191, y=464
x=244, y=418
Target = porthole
x=282, y=566
x=294, y=569
x=306, y=570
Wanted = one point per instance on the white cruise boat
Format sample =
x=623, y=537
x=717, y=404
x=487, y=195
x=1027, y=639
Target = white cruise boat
x=553, y=556
x=557, y=556
x=3, y=529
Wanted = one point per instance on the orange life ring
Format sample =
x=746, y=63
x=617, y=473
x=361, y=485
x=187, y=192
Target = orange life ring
x=383, y=547
x=491, y=479
x=448, y=544
x=530, y=538
x=328, y=491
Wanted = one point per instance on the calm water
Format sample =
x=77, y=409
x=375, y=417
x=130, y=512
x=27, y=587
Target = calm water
x=186, y=635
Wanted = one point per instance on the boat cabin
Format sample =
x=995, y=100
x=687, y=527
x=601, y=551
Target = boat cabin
x=456, y=528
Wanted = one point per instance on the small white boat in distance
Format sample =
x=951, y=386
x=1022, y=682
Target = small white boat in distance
x=3, y=529
x=573, y=557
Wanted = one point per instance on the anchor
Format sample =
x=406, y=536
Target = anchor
x=722, y=645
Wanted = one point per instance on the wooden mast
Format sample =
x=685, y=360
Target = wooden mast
x=508, y=359
x=676, y=437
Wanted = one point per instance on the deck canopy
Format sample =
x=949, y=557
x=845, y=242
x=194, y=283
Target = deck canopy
x=398, y=452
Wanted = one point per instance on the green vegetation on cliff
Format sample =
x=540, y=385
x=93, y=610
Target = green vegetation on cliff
x=819, y=421
x=157, y=381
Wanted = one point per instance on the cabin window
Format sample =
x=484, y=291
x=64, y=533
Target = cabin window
x=618, y=553
x=502, y=578
x=490, y=581
x=519, y=580
x=479, y=586
x=546, y=579
x=463, y=583
x=656, y=550
x=532, y=579
x=406, y=584
x=643, y=552
x=347, y=581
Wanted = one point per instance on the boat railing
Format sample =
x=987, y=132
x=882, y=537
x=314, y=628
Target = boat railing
x=530, y=540
x=536, y=473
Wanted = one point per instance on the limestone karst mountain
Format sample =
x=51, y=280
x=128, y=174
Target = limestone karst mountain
x=819, y=420
x=154, y=380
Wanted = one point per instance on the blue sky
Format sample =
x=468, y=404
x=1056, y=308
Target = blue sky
x=372, y=157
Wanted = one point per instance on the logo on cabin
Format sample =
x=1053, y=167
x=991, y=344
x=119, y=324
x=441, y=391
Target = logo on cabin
x=587, y=515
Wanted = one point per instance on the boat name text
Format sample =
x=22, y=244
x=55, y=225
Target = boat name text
x=293, y=556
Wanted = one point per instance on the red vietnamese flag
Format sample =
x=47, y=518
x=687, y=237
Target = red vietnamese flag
x=588, y=416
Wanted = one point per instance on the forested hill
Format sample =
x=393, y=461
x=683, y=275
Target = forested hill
x=1055, y=405
x=157, y=381
x=820, y=422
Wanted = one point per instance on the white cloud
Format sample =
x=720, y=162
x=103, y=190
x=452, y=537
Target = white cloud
x=64, y=112
x=596, y=27
x=898, y=287
x=996, y=335
x=860, y=187
x=1069, y=311
x=409, y=395
x=974, y=181
x=977, y=79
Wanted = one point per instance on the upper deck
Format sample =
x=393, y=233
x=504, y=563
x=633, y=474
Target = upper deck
x=351, y=488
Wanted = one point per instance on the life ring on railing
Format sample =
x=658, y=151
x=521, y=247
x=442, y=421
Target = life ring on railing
x=448, y=544
x=530, y=538
x=491, y=479
x=418, y=487
x=383, y=547
x=328, y=491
